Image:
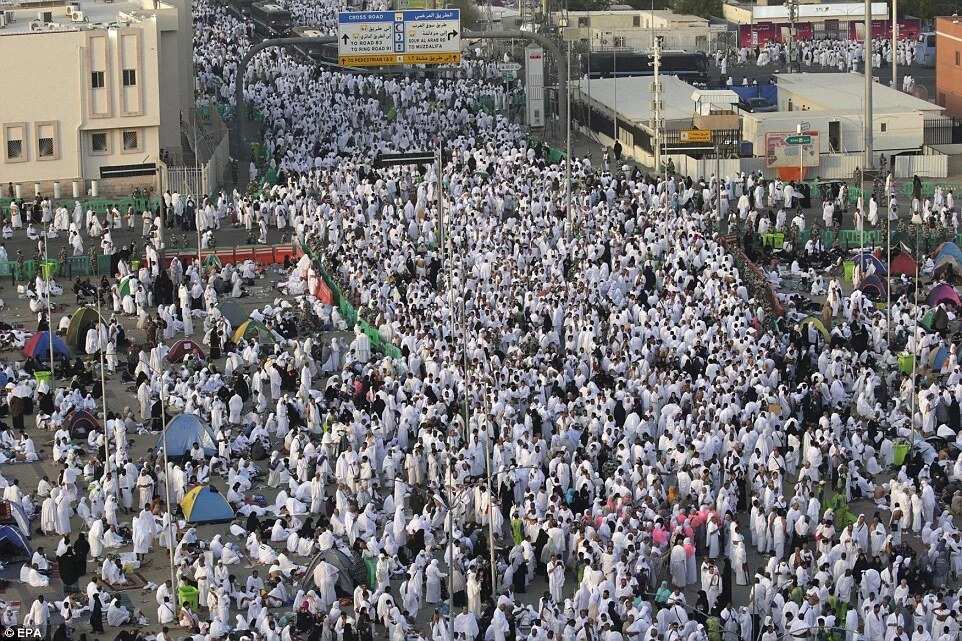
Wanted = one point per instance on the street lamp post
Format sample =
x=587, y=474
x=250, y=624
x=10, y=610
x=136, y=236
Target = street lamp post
x=103, y=384
x=895, y=43
x=46, y=269
x=568, y=147
x=171, y=528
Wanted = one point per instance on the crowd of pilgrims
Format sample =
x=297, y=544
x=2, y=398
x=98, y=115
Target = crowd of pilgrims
x=664, y=463
x=840, y=55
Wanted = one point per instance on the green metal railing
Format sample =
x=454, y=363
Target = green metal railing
x=349, y=313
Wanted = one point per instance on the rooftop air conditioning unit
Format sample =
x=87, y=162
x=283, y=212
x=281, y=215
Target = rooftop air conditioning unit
x=36, y=25
x=9, y=16
x=3, y=19
x=77, y=16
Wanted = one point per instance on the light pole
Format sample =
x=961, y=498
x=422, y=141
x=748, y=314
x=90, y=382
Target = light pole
x=798, y=132
x=656, y=94
x=888, y=275
x=103, y=382
x=895, y=43
x=172, y=528
x=614, y=49
x=568, y=147
x=792, y=7
x=46, y=268
x=867, y=116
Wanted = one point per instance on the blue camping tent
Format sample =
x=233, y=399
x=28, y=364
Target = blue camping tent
x=204, y=504
x=181, y=434
x=17, y=517
x=13, y=544
x=38, y=346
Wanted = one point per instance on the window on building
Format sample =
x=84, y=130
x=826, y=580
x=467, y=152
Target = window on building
x=97, y=80
x=130, y=77
x=636, y=21
x=956, y=58
x=45, y=147
x=131, y=141
x=13, y=146
x=884, y=127
x=14, y=149
x=46, y=140
x=942, y=99
x=98, y=142
x=584, y=22
x=619, y=41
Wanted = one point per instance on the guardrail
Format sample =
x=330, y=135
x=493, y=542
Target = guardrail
x=348, y=311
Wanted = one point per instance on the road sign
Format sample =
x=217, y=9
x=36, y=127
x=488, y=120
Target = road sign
x=780, y=151
x=377, y=38
x=696, y=135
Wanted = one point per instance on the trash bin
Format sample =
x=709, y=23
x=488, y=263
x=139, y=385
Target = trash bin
x=906, y=363
x=900, y=451
x=849, y=267
x=43, y=375
x=188, y=594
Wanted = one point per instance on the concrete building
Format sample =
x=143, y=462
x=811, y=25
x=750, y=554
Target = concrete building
x=831, y=105
x=948, y=65
x=98, y=91
x=759, y=23
x=704, y=131
x=631, y=29
x=684, y=108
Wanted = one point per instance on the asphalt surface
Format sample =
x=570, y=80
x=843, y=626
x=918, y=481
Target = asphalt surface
x=119, y=395
x=156, y=568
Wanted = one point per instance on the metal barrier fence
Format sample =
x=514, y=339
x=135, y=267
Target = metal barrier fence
x=349, y=313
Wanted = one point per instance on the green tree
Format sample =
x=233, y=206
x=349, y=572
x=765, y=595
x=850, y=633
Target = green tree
x=470, y=17
x=588, y=5
x=641, y=5
x=703, y=8
x=928, y=9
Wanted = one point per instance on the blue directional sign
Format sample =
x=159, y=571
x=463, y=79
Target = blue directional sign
x=376, y=38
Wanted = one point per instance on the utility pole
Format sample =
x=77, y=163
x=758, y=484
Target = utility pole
x=656, y=100
x=895, y=44
x=867, y=163
x=651, y=23
x=614, y=49
x=792, y=6
x=47, y=273
x=568, y=146
x=718, y=211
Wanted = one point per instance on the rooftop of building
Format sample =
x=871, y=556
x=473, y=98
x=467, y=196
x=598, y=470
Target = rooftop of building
x=22, y=17
x=846, y=91
x=666, y=14
x=634, y=97
x=812, y=11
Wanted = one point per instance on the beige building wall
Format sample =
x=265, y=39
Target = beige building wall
x=90, y=98
x=634, y=29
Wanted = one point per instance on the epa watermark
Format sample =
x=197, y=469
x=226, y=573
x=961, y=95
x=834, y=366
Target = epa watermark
x=18, y=632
